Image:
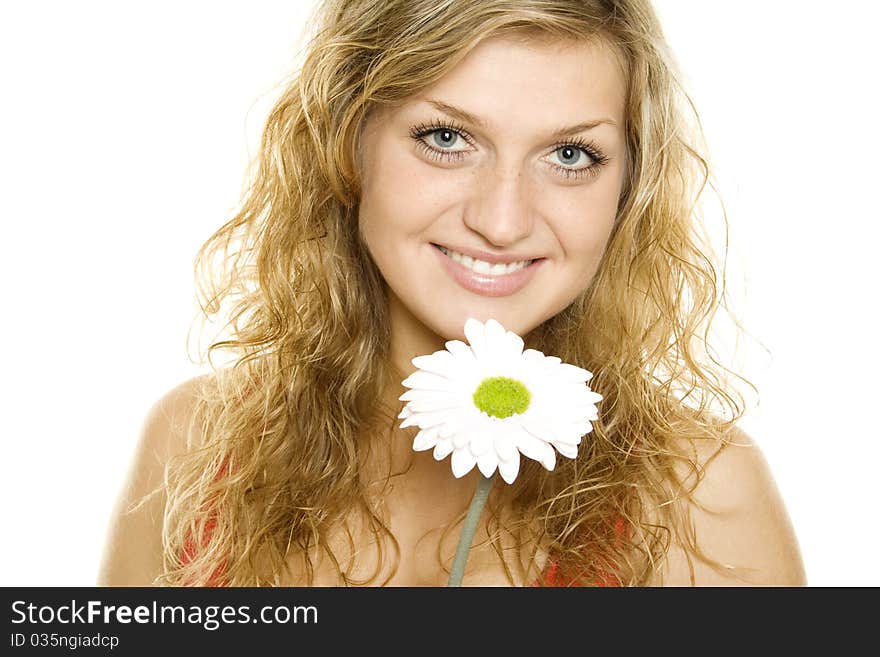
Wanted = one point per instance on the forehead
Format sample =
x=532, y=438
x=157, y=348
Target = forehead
x=534, y=80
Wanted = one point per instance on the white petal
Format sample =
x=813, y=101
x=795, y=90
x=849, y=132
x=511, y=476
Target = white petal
x=576, y=393
x=487, y=463
x=570, y=437
x=425, y=439
x=533, y=356
x=453, y=424
x=441, y=363
x=426, y=420
x=530, y=446
x=549, y=462
x=576, y=388
x=565, y=415
x=475, y=332
x=460, y=350
x=565, y=449
x=539, y=426
x=423, y=393
x=480, y=443
x=410, y=421
x=404, y=413
x=577, y=421
x=584, y=428
x=434, y=403
x=496, y=341
x=572, y=374
x=505, y=447
x=581, y=413
x=443, y=449
x=536, y=449
x=494, y=330
x=427, y=381
x=572, y=421
x=592, y=396
x=515, y=344
x=509, y=469
x=460, y=439
x=462, y=462
x=408, y=396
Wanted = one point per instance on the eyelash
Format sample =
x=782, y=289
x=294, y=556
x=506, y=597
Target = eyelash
x=419, y=131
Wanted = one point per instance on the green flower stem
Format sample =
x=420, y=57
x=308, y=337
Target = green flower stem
x=470, y=527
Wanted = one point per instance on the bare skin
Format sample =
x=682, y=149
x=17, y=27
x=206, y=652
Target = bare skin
x=740, y=520
x=133, y=549
x=499, y=181
x=750, y=527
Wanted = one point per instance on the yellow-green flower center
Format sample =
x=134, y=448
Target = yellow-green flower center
x=500, y=396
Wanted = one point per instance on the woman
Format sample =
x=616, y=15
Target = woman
x=419, y=139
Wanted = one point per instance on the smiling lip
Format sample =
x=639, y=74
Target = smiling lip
x=491, y=258
x=485, y=284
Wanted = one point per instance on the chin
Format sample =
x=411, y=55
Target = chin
x=451, y=326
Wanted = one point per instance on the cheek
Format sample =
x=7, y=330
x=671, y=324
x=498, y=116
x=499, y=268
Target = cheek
x=583, y=223
x=402, y=195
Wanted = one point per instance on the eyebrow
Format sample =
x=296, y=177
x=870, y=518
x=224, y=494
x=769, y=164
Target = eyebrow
x=467, y=117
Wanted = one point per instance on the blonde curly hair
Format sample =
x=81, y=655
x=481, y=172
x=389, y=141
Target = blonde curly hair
x=276, y=440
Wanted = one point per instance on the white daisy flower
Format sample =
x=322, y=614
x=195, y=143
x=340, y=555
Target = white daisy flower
x=489, y=402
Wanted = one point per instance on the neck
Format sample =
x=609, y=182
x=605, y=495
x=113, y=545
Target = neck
x=391, y=452
x=391, y=459
x=409, y=338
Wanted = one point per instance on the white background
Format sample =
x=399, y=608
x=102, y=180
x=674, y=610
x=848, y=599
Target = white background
x=125, y=131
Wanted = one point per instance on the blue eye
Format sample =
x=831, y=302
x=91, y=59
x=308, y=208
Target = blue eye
x=573, y=151
x=569, y=153
x=445, y=135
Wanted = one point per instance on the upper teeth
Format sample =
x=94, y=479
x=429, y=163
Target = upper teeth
x=483, y=267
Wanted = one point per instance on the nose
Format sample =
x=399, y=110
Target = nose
x=499, y=211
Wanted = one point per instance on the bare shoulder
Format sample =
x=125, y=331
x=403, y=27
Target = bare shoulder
x=133, y=547
x=739, y=519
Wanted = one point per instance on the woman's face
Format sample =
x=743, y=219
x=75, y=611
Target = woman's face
x=517, y=154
